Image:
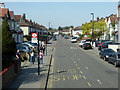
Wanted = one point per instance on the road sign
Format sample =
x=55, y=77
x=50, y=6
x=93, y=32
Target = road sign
x=34, y=35
x=77, y=33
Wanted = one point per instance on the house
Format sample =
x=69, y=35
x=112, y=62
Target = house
x=65, y=31
x=5, y=14
x=112, y=24
x=76, y=31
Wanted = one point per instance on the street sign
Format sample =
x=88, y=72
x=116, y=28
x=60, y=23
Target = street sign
x=34, y=35
x=77, y=33
x=34, y=38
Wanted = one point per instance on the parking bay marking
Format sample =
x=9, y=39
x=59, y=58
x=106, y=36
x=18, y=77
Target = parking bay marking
x=99, y=81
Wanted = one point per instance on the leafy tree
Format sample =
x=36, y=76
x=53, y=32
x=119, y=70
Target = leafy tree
x=8, y=45
x=59, y=28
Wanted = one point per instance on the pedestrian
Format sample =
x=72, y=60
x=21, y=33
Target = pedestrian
x=43, y=48
x=41, y=56
x=32, y=56
x=18, y=57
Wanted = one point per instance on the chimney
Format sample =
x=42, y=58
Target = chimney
x=97, y=19
x=24, y=16
x=2, y=5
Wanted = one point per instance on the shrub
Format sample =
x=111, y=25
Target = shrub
x=8, y=45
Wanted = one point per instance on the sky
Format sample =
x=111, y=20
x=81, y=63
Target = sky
x=62, y=13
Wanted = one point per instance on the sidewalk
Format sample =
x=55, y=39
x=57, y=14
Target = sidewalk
x=28, y=77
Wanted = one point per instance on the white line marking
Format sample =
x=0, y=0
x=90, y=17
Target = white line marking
x=99, y=81
x=86, y=67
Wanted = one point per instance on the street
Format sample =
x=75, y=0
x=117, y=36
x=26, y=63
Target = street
x=73, y=67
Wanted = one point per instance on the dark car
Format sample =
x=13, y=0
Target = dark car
x=54, y=38
x=105, y=53
x=100, y=43
x=115, y=59
x=66, y=37
x=87, y=46
x=105, y=44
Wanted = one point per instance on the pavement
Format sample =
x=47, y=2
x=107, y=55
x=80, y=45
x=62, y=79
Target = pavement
x=74, y=67
x=28, y=77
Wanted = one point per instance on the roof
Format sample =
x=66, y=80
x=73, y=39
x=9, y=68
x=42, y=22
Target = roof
x=11, y=14
x=24, y=24
x=3, y=12
x=78, y=28
x=65, y=30
x=17, y=18
x=84, y=38
x=113, y=18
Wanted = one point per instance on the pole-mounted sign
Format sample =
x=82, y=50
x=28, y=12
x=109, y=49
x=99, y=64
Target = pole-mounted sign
x=34, y=37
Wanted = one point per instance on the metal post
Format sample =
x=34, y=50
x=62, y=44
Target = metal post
x=38, y=56
x=46, y=46
x=93, y=26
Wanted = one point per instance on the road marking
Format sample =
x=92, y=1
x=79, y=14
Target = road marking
x=63, y=77
x=86, y=67
x=76, y=64
x=74, y=61
x=75, y=77
x=81, y=72
x=51, y=81
x=84, y=77
x=78, y=67
x=99, y=81
x=80, y=76
x=68, y=77
x=89, y=84
x=56, y=78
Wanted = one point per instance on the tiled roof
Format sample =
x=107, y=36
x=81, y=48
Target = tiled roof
x=77, y=28
x=17, y=18
x=24, y=24
x=65, y=30
x=113, y=18
x=11, y=14
x=3, y=12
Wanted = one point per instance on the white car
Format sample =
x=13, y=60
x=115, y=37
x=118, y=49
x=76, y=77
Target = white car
x=73, y=39
x=81, y=43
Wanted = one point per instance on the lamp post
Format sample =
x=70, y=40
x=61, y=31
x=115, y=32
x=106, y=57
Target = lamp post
x=93, y=25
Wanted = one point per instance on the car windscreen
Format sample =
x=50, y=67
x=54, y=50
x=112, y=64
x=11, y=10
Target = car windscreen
x=108, y=50
x=74, y=38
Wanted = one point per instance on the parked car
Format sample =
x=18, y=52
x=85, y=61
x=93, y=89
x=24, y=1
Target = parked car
x=73, y=39
x=105, y=44
x=105, y=53
x=81, y=43
x=23, y=48
x=115, y=59
x=87, y=46
x=100, y=43
x=66, y=37
x=54, y=38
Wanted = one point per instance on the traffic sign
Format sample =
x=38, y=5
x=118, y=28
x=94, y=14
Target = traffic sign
x=34, y=35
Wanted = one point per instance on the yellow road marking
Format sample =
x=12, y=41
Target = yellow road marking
x=74, y=61
x=63, y=77
x=51, y=72
x=68, y=77
x=75, y=77
x=89, y=84
x=78, y=67
x=58, y=71
x=81, y=72
x=80, y=76
x=84, y=77
x=56, y=78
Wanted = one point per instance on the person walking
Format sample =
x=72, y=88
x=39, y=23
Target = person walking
x=32, y=56
x=18, y=57
x=41, y=56
x=43, y=48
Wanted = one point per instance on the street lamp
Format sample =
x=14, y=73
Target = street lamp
x=93, y=25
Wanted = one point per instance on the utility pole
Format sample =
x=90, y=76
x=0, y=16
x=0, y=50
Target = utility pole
x=93, y=26
x=118, y=22
x=38, y=56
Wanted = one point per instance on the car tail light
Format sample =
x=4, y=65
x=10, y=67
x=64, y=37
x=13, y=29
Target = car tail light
x=35, y=47
x=84, y=45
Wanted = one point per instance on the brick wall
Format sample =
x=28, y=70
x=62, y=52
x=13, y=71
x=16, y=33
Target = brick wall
x=11, y=73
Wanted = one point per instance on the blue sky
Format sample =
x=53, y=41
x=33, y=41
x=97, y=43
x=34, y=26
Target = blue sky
x=62, y=13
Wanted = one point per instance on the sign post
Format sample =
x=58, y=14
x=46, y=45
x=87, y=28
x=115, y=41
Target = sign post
x=38, y=56
x=34, y=37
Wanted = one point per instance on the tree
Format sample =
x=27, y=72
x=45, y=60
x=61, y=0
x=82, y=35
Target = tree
x=8, y=45
x=59, y=28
